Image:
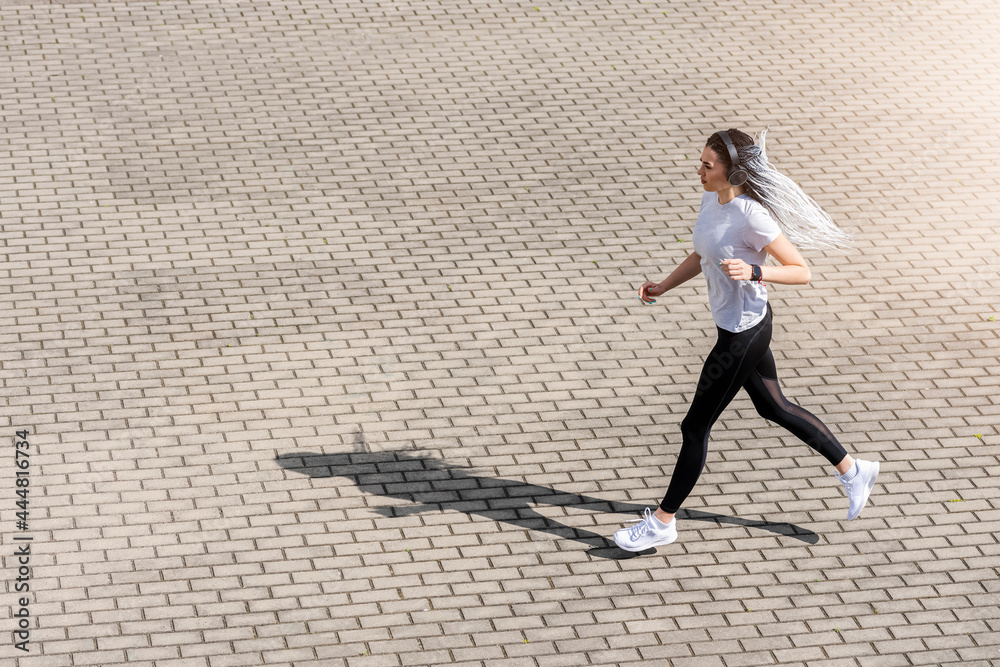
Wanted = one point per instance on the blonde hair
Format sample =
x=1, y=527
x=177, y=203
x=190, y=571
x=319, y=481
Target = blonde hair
x=800, y=218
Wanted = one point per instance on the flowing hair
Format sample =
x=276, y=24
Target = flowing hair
x=800, y=218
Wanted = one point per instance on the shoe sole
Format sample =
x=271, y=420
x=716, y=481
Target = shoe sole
x=868, y=491
x=648, y=546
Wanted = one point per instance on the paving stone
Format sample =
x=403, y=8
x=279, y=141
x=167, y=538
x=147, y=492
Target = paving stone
x=321, y=317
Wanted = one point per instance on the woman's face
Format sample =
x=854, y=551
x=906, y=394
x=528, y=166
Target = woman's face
x=712, y=172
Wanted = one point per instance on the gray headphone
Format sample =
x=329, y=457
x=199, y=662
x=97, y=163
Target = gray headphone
x=736, y=175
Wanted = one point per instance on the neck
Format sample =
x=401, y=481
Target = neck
x=729, y=194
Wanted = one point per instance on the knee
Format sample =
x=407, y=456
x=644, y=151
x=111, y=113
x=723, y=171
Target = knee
x=770, y=412
x=693, y=432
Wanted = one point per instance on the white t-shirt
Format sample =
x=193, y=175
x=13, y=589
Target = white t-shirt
x=737, y=230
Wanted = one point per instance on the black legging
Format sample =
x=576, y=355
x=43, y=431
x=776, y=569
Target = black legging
x=741, y=359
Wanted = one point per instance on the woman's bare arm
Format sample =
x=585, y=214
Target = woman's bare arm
x=684, y=272
x=793, y=269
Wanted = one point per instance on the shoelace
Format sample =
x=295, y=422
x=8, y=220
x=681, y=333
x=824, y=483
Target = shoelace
x=643, y=527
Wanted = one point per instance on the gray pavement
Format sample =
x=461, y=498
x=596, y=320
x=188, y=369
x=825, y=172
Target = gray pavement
x=321, y=318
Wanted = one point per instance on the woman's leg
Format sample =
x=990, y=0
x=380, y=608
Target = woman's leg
x=858, y=477
x=725, y=371
x=771, y=404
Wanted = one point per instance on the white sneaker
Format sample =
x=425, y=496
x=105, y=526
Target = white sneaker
x=860, y=487
x=644, y=535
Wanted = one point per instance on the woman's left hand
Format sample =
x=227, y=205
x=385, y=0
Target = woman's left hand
x=736, y=269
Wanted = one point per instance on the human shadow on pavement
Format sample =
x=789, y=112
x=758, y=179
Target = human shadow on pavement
x=431, y=485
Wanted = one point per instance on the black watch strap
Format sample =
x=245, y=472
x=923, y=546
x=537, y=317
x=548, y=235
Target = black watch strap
x=755, y=273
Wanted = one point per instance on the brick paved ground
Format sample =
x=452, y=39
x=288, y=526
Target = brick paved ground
x=322, y=317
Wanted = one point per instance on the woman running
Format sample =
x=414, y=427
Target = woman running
x=747, y=210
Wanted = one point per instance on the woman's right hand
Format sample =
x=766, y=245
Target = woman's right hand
x=648, y=290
